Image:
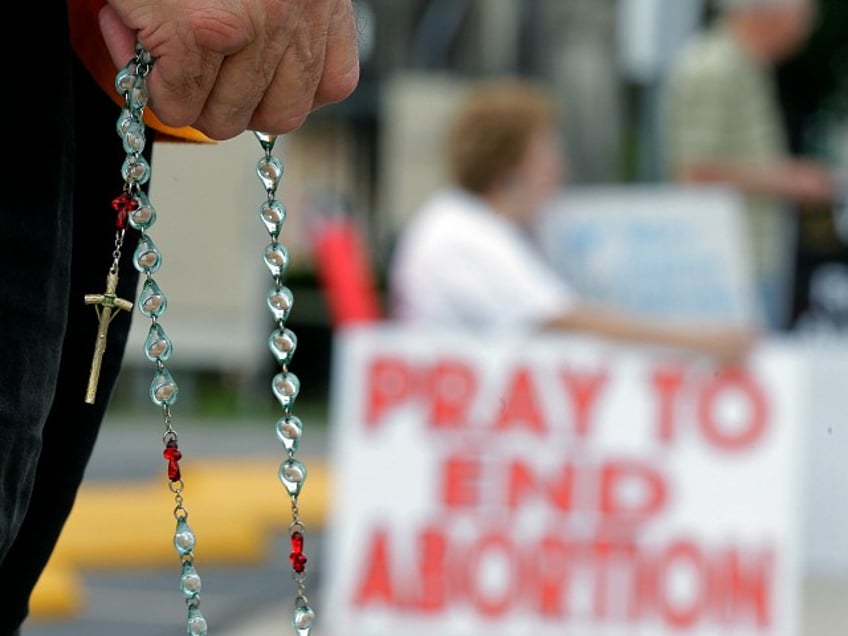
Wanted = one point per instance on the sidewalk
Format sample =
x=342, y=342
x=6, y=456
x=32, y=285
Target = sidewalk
x=126, y=579
x=115, y=568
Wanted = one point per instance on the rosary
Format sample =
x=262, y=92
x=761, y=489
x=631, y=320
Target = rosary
x=133, y=208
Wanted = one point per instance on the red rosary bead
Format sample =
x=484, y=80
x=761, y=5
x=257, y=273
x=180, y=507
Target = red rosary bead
x=173, y=455
x=297, y=557
x=123, y=204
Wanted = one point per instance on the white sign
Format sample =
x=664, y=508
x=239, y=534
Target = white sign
x=661, y=251
x=560, y=486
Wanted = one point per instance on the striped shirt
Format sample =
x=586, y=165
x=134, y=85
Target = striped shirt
x=722, y=106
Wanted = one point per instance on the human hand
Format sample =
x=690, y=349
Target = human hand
x=729, y=346
x=809, y=182
x=227, y=66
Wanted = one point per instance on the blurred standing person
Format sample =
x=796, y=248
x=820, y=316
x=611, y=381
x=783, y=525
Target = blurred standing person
x=723, y=125
x=467, y=260
x=574, y=48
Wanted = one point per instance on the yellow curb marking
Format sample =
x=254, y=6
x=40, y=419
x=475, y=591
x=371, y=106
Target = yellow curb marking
x=235, y=508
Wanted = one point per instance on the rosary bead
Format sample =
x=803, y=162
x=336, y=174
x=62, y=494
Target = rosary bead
x=125, y=80
x=289, y=432
x=280, y=301
x=125, y=120
x=286, y=386
x=302, y=619
x=283, y=343
x=122, y=204
x=273, y=215
x=157, y=345
x=163, y=389
x=184, y=540
x=276, y=258
x=152, y=301
x=143, y=215
x=136, y=170
x=139, y=95
x=292, y=474
x=190, y=583
x=147, y=258
x=196, y=625
x=173, y=455
x=270, y=171
x=134, y=139
x=297, y=557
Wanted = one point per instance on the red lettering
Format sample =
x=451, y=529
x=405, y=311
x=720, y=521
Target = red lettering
x=584, y=390
x=742, y=584
x=674, y=586
x=667, y=384
x=611, y=554
x=603, y=553
x=376, y=584
x=630, y=489
x=433, y=570
x=521, y=407
x=390, y=383
x=453, y=385
x=749, y=428
x=552, y=580
x=490, y=604
x=679, y=560
x=524, y=485
x=643, y=598
x=461, y=482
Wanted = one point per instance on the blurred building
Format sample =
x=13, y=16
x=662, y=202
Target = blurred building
x=376, y=155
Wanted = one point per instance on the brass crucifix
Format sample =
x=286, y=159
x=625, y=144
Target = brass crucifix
x=104, y=303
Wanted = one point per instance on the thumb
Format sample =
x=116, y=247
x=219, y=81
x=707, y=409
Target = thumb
x=119, y=39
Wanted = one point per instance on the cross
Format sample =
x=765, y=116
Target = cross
x=104, y=303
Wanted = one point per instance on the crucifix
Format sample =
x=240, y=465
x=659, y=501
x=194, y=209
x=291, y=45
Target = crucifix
x=104, y=303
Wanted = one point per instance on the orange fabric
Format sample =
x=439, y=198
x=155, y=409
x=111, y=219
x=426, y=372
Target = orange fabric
x=89, y=46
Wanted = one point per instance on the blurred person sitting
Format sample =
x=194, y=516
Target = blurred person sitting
x=468, y=260
x=723, y=125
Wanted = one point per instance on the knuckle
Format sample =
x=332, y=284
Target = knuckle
x=220, y=28
x=281, y=122
x=219, y=129
x=337, y=86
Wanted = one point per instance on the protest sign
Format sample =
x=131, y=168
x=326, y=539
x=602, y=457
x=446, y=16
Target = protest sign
x=555, y=486
x=661, y=251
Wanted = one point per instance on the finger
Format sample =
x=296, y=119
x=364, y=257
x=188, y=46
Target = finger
x=119, y=39
x=341, y=60
x=245, y=77
x=182, y=78
x=180, y=86
x=290, y=95
x=187, y=47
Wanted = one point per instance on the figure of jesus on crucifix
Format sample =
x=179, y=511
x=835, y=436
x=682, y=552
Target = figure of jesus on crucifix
x=104, y=303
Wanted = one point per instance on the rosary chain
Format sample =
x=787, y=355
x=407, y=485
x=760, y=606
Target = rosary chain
x=285, y=384
x=134, y=207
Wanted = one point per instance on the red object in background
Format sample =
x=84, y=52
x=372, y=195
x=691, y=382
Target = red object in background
x=344, y=269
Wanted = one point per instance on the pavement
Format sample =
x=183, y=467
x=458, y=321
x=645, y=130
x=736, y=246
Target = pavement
x=115, y=569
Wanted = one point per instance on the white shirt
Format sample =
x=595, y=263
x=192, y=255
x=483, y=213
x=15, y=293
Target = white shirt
x=460, y=264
